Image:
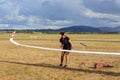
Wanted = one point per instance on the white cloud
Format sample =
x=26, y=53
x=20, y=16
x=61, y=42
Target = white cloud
x=58, y=22
x=114, y=24
x=2, y=25
x=117, y=3
x=71, y=6
x=91, y=14
x=104, y=0
x=104, y=19
x=33, y=19
x=52, y=27
x=54, y=13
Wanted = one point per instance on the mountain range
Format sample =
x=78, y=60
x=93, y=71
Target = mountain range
x=110, y=29
x=84, y=29
x=76, y=29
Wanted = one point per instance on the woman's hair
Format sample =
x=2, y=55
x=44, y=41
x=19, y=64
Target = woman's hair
x=62, y=33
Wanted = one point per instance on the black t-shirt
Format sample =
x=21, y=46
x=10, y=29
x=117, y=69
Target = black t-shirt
x=66, y=43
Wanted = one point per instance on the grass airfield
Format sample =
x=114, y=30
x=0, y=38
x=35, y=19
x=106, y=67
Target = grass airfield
x=22, y=63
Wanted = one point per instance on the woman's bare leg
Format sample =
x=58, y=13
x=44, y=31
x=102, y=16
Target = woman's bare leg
x=62, y=58
x=66, y=57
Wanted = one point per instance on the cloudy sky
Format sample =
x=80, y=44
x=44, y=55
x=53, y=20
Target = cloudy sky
x=22, y=14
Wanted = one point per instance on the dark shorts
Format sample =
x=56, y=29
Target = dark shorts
x=67, y=48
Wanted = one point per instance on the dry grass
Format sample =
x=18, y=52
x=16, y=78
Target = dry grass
x=21, y=63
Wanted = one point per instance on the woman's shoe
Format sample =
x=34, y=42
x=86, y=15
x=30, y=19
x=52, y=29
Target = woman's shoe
x=60, y=65
x=64, y=66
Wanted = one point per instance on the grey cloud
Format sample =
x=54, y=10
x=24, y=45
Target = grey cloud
x=103, y=6
x=59, y=12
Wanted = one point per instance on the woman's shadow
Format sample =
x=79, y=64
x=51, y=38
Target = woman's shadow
x=67, y=69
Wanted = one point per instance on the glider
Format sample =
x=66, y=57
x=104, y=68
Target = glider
x=54, y=49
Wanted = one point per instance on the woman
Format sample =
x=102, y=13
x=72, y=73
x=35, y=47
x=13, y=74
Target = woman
x=66, y=45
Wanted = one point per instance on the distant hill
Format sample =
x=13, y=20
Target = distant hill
x=84, y=29
x=73, y=29
x=110, y=29
x=79, y=29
